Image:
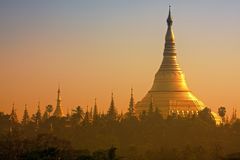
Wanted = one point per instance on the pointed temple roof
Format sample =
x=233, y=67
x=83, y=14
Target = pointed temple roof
x=58, y=111
x=169, y=19
x=131, y=108
x=112, y=100
x=169, y=76
x=95, y=109
x=169, y=91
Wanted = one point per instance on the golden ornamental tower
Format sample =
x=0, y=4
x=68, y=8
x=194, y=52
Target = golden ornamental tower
x=58, y=111
x=169, y=92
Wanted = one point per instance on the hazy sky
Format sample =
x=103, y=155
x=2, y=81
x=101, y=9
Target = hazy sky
x=94, y=47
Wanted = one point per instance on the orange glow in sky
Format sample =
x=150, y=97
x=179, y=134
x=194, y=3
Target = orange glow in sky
x=94, y=49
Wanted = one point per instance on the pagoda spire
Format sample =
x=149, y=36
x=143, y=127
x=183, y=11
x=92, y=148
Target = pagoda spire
x=58, y=94
x=38, y=115
x=58, y=111
x=164, y=79
x=169, y=19
x=169, y=89
x=112, y=111
x=170, y=49
x=112, y=99
x=131, y=108
x=95, y=110
x=95, y=105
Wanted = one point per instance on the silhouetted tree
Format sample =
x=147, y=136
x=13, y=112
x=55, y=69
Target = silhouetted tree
x=236, y=126
x=77, y=115
x=26, y=118
x=47, y=113
x=4, y=122
x=86, y=119
x=150, y=109
x=143, y=115
x=13, y=116
x=206, y=116
x=222, y=113
x=234, y=116
x=37, y=117
x=112, y=153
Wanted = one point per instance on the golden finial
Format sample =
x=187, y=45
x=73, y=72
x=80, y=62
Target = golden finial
x=169, y=19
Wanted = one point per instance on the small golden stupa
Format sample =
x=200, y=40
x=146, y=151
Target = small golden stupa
x=58, y=111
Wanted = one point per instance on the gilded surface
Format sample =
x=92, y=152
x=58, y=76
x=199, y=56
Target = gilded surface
x=58, y=111
x=169, y=92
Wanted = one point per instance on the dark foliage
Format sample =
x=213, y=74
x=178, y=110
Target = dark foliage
x=147, y=137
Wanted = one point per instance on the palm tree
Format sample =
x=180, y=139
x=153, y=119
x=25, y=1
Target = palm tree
x=49, y=109
x=222, y=113
x=77, y=115
x=47, y=113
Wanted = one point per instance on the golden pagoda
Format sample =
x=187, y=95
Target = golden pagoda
x=58, y=111
x=169, y=92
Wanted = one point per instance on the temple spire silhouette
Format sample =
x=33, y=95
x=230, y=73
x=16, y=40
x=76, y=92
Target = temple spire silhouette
x=131, y=108
x=58, y=111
